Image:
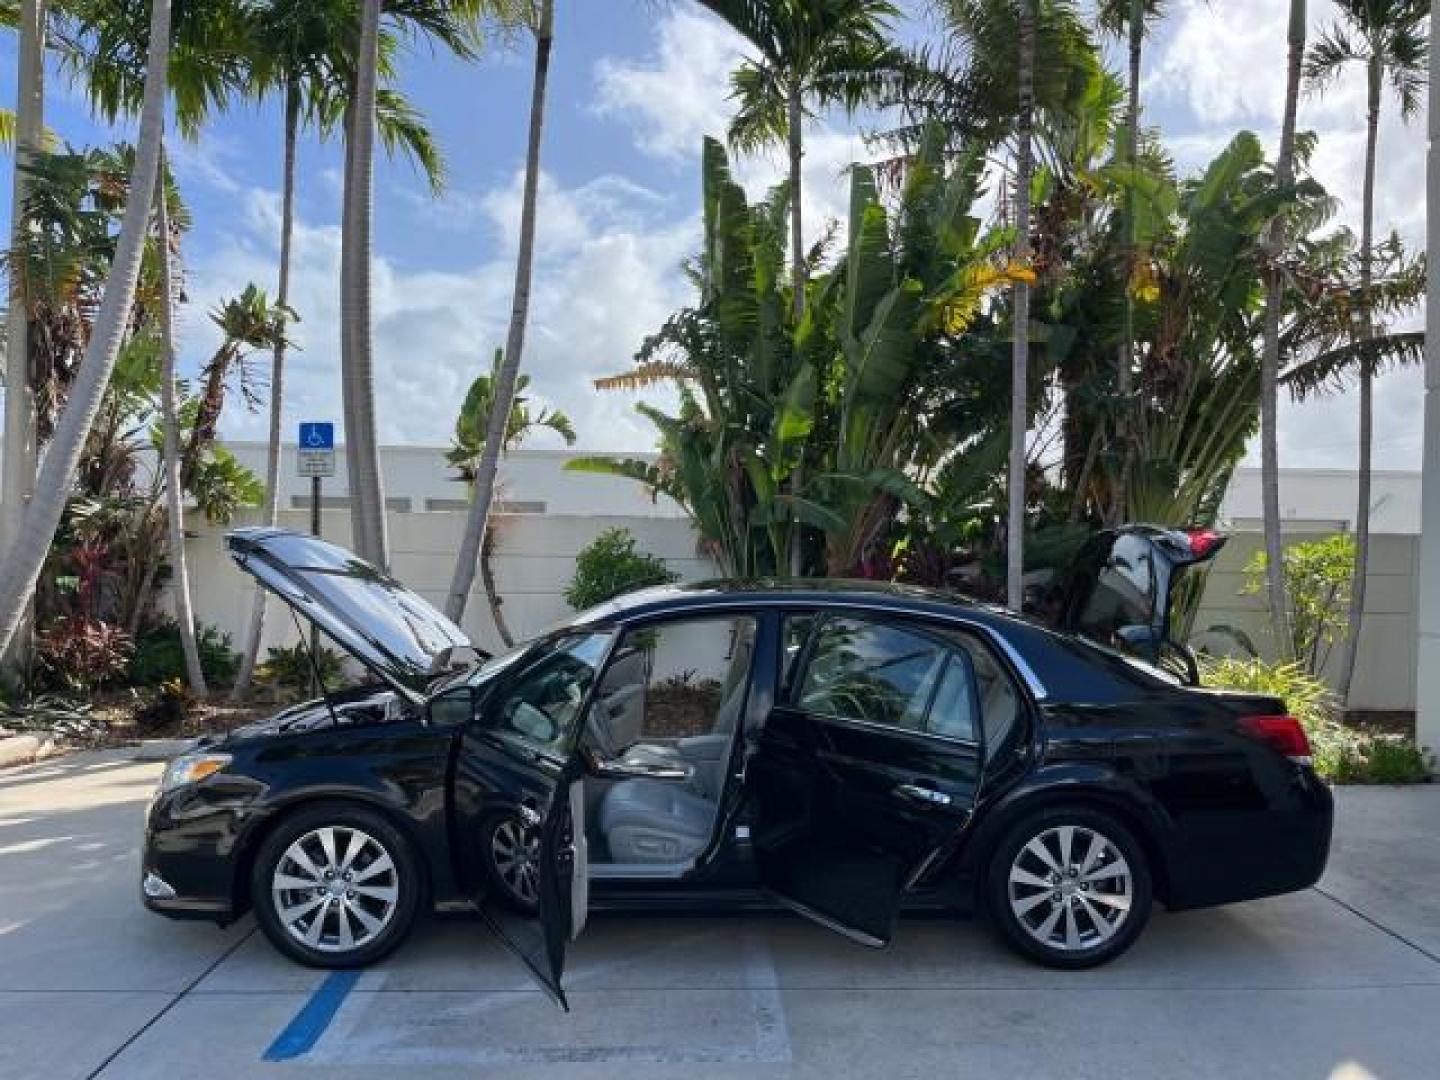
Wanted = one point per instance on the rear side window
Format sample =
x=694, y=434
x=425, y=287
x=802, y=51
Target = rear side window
x=887, y=675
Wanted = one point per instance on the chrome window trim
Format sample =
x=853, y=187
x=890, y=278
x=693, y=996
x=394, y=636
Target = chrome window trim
x=889, y=729
x=751, y=602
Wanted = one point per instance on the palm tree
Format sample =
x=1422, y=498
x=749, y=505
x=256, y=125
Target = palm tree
x=1388, y=38
x=357, y=374
x=302, y=49
x=22, y=562
x=18, y=478
x=1130, y=18
x=468, y=452
x=810, y=52
x=1270, y=349
x=454, y=23
x=170, y=456
x=1020, y=354
x=504, y=396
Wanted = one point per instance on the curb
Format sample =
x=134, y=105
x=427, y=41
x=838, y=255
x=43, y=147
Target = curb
x=27, y=749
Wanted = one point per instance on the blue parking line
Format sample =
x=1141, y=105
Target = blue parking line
x=304, y=1031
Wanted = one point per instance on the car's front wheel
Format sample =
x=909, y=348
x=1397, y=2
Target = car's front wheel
x=335, y=886
x=1069, y=887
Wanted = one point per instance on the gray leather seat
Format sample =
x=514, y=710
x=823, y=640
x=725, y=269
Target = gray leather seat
x=646, y=821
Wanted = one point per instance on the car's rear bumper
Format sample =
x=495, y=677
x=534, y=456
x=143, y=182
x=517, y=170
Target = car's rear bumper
x=1278, y=850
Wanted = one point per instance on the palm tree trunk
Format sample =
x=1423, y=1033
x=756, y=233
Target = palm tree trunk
x=1270, y=355
x=170, y=424
x=256, y=629
x=18, y=482
x=503, y=399
x=1125, y=360
x=367, y=497
x=21, y=564
x=1375, y=75
x=795, y=128
x=492, y=595
x=1020, y=355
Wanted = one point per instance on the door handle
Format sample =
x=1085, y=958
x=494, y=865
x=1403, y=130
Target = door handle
x=923, y=794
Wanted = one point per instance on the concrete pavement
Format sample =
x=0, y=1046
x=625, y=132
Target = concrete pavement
x=1343, y=982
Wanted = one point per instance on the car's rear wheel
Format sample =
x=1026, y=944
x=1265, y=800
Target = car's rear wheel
x=1069, y=887
x=335, y=886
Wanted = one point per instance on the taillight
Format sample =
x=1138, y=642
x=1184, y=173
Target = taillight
x=1204, y=542
x=1284, y=733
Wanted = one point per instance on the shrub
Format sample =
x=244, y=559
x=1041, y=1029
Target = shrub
x=289, y=668
x=1317, y=583
x=80, y=653
x=1344, y=755
x=609, y=565
x=170, y=709
x=159, y=658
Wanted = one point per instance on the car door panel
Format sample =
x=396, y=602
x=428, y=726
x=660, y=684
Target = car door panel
x=517, y=763
x=847, y=813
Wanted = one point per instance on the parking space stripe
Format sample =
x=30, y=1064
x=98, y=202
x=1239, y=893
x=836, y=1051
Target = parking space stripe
x=304, y=1031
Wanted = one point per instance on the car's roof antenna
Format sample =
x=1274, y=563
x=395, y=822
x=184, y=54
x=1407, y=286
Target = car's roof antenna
x=315, y=667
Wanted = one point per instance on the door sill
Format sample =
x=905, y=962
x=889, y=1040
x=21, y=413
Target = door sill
x=870, y=941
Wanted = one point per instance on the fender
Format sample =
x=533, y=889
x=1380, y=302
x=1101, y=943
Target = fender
x=424, y=826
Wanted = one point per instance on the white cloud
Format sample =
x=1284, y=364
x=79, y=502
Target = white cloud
x=603, y=284
x=680, y=92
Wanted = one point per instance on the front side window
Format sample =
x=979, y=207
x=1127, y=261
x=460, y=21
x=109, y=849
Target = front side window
x=542, y=706
x=890, y=676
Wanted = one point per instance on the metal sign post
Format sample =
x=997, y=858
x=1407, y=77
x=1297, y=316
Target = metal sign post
x=315, y=458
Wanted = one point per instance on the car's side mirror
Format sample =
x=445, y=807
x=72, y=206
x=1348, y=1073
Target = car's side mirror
x=638, y=769
x=452, y=707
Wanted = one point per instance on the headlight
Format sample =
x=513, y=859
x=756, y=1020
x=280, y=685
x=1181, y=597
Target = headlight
x=190, y=768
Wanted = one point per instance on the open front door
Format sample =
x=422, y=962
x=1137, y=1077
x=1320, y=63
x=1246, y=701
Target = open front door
x=867, y=771
x=518, y=808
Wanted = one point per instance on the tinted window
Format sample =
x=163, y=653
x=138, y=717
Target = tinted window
x=542, y=706
x=887, y=675
x=1123, y=593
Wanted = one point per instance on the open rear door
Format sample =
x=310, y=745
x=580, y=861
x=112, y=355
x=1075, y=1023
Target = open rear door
x=518, y=808
x=1122, y=589
x=866, y=774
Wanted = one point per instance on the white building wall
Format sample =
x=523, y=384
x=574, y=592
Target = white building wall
x=417, y=479
x=534, y=561
x=1385, y=668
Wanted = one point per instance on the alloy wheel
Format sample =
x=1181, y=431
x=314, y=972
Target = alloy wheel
x=335, y=888
x=1070, y=888
x=515, y=852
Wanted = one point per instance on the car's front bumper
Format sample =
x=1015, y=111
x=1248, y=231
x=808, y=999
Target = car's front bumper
x=192, y=864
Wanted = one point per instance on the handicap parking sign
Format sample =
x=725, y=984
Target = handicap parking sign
x=316, y=449
x=317, y=435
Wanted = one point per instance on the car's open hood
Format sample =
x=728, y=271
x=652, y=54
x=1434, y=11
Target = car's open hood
x=391, y=630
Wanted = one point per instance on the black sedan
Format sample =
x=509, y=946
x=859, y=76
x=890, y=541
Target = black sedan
x=839, y=748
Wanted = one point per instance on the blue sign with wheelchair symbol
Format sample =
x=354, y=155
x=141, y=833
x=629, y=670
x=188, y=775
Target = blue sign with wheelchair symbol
x=317, y=436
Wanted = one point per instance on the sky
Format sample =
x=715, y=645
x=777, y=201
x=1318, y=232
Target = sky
x=635, y=86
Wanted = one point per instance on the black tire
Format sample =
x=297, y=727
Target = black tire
x=395, y=918
x=498, y=834
x=1105, y=890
